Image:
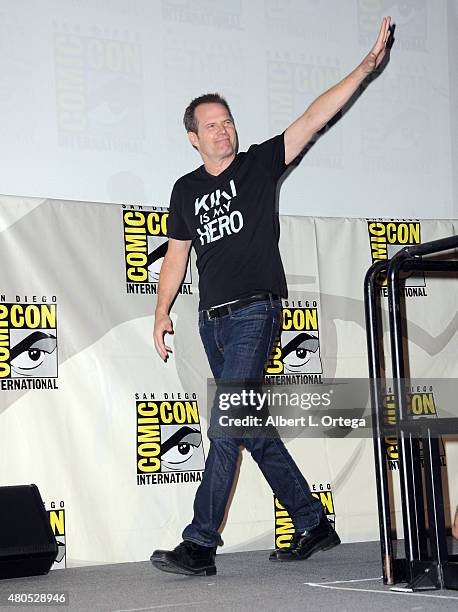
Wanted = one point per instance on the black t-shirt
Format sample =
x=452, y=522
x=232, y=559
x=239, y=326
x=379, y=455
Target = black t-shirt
x=233, y=225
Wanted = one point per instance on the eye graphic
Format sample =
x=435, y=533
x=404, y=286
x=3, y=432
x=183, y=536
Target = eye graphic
x=29, y=360
x=299, y=350
x=112, y=102
x=108, y=113
x=181, y=446
x=60, y=551
x=32, y=352
x=154, y=262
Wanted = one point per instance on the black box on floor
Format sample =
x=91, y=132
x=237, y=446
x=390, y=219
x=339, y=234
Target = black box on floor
x=28, y=546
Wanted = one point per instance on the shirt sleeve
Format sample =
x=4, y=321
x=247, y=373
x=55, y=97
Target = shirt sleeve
x=271, y=154
x=176, y=225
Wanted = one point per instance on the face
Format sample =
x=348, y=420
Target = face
x=216, y=137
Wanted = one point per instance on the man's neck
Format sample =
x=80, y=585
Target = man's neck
x=216, y=167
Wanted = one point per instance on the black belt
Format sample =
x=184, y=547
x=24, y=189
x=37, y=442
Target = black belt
x=222, y=311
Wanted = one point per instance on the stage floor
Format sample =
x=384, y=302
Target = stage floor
x=344, y=579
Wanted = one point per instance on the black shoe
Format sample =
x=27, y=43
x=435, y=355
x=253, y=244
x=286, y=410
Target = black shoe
x=187, y=558
x=321, y=537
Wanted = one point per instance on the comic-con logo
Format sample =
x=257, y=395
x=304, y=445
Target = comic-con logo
x=284, y=527
x=296, y=351
x=387, y=238
x=419, y=404
x=56, y=516
x=169, y=442
x=145, y=246
x=28, y=346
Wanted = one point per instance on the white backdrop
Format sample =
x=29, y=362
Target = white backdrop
x=92, y=93
x=71, y=397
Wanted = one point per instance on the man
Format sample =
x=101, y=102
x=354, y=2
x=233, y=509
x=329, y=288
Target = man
x=226, y=209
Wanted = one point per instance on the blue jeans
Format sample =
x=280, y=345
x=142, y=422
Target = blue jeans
x=238, y=346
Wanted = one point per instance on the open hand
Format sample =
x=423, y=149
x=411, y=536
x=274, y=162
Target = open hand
x=377, y=53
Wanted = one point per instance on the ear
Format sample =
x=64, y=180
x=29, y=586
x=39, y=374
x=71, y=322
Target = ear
x=193, y=139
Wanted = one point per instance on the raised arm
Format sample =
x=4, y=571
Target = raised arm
x=172, y=272
x=330, y=102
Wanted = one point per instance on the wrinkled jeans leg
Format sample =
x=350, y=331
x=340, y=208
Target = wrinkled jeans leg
x=237, y=347
x=213, y=493
x=286, y=481
x=220, y=466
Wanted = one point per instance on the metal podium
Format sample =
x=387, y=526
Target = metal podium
x=427, y=563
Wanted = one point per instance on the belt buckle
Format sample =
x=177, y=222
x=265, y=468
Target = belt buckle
x=212, y=313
